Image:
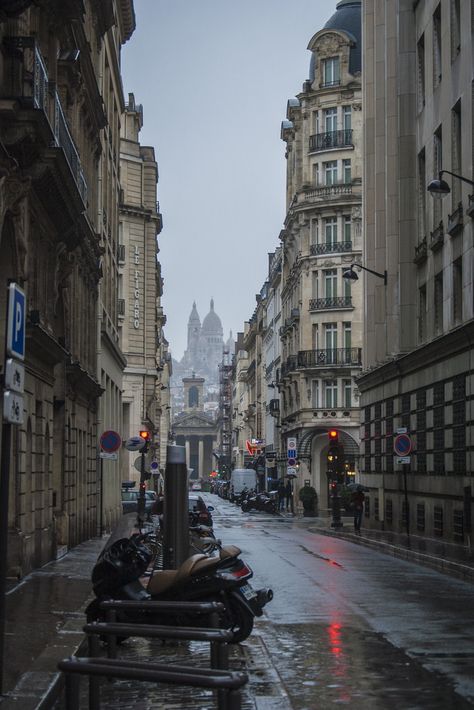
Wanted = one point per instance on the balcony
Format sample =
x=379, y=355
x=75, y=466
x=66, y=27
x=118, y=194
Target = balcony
x=335, y=190
x=421, y=251
x=45, y=126
x=331, y=140
x=456, y=221
x=334, y=248
x=290, y=365
x=333, y=357
x=437, y=237
x=326, y=304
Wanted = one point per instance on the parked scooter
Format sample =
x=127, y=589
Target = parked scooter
x=223, y=578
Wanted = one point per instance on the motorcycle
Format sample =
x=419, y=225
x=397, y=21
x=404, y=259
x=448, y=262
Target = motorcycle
x=224, y=578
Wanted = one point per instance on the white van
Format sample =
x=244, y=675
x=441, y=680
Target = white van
x=241, y=478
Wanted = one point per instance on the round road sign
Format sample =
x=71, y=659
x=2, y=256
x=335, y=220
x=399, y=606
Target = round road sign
x=291, y=462
x=402, y=445
x=135, y=443
x=110, y=441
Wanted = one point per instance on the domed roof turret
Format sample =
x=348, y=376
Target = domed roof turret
x=347, y=18
x=211, y=324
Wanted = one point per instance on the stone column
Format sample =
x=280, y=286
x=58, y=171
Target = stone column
x=201, y=458
x=187, y=444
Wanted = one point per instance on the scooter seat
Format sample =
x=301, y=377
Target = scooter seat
x=161, y=581
x=229, y=551
x=186, y=569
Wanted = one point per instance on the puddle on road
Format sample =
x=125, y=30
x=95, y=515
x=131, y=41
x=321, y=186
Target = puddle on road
x=329, y=665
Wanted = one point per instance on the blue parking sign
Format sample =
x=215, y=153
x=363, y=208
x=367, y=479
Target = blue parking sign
x=16, y=322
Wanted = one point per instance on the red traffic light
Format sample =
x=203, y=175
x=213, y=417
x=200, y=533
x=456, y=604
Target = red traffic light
x=333, y=435
x=145, y=434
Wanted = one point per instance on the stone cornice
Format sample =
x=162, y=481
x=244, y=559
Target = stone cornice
x=448, y=345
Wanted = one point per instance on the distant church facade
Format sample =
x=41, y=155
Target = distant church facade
x=205, y=347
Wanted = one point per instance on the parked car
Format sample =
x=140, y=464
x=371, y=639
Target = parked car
x=196, y=486
x=197, y=505
x=130, y=500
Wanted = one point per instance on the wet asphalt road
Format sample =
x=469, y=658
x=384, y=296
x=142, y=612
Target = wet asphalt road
x=350, y=626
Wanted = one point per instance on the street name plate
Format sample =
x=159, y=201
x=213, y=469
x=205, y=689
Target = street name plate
x=110, y=456
x=402, y=459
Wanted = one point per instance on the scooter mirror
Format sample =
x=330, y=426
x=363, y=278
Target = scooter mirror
x=210, y=508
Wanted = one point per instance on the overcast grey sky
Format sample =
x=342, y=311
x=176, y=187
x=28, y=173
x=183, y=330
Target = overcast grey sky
x=214, y=77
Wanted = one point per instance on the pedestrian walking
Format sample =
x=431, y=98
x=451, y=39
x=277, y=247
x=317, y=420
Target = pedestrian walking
x=358, y=499
x=288, y=495
x=281, y=495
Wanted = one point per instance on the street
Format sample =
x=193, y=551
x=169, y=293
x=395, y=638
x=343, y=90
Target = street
x=351, y=626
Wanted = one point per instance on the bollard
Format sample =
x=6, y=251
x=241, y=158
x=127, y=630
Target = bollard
x=175, y=513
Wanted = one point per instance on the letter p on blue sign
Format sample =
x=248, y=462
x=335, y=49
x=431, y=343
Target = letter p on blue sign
x=16, y=322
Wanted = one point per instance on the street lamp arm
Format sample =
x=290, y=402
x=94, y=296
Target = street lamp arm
x=371, y=271
x=459, y=177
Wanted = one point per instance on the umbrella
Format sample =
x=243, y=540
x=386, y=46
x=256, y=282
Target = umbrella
x=357, y=487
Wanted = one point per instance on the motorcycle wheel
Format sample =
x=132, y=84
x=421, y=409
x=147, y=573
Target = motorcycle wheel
x=244, y=507
x=241, y=620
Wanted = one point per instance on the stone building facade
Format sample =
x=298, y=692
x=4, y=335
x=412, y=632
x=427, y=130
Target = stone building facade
x=321, y=313
x=60, y=107
x=418, y=342
x=145, y=397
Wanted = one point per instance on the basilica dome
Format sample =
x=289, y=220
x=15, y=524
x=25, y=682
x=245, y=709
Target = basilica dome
x=211, y=324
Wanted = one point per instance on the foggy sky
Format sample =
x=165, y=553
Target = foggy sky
x=214, y=78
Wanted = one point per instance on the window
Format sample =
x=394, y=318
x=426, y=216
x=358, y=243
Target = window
x=330, y=230
x=455, y=28
x=314, y=284
x=420, y=50
x=347, y=285
x=457, y=290
x=314, y=231
x=315, y=394
x=330, y=341
x=422, y=313
x=330, y=283
x=330, y=120
x=347, y=328
x=331, y=75
x=347, y=228
x=315, y=336
x=330, y=394
x=421, y=195
x=347, y=117
x=456, y=153
x=437, y=47
x=316, y=174
x=437, y=165
x=330, y=172
x=347, y=390
x=438, y=303
x=346, y=171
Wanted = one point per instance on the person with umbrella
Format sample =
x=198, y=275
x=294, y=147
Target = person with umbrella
x=358, y=499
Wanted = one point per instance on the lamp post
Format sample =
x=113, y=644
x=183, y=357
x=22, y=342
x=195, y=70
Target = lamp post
x=439, y=188
x=352, y=275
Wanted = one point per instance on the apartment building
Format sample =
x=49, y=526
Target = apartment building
x=418, y=335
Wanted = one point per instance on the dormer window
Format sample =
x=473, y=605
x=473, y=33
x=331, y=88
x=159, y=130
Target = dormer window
x=331, y=73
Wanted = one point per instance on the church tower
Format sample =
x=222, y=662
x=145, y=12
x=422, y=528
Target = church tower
x=194, y=335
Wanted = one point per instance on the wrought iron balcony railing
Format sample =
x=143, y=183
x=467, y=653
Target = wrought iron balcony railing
x=34, y=89
x=323, y=304
x=333, y=248
x=340, y=357
x=331, y=140
x=290, y=365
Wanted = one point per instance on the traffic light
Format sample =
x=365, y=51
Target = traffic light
x=145, y=434
x=333, y=436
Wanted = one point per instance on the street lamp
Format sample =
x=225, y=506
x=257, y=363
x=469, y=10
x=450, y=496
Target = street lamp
x=439, y=188
x=352, y=275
